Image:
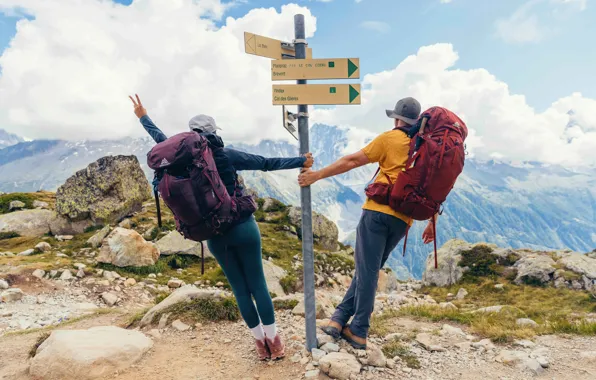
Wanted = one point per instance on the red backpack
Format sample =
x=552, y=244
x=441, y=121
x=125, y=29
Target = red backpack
x=435, y=160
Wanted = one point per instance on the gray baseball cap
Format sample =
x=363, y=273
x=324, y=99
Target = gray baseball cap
x=203, y=123
x=407, y=109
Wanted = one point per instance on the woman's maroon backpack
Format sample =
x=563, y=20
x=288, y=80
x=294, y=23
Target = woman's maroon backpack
x=435, y=161
x=191, y=187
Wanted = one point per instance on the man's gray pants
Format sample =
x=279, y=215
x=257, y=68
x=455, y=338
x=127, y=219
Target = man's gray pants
x=376, y=237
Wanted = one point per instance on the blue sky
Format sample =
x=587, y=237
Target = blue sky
x=560, y=63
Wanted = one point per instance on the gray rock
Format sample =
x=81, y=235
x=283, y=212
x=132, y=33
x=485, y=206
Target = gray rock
x=96, y=240
x=324, y=307
x=28, y=223
x=317, y=354
x=580, y=264
x=314, y=374
x=28, y=252
x=450, y=330
x=175, y=283
x=11, y=295
x=426, y=341
x=38, y=273
x=16, y=205
x=484, y=344
x=533, y=366
x=390, y=363
x=325, y=232
x=543, y=361
x=3, y=285
x=109, y=299
x=43, y=247
x=180, y=326
x=375, y=356
x=489, y=309
x=322, y=339
x=105, y=192
x=81, y=273
x=526, y=322
x=40, y=204
x=511, y=357
x=461, y=294
x=447, y=305
x=534, y=267
x=184, y=294
x=125, y=248
x=175, y=244
x=524, y=343
x=163, y=321
x=273, y=276
x=330, y=347
x=339, y=365
x=66, y=275
x=448, y=272
x=500, y=286
x=88, y=354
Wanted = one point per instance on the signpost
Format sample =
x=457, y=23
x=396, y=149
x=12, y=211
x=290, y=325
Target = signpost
x=293, y=61
x=341, y=68
x=270, y=48
x=289, y=94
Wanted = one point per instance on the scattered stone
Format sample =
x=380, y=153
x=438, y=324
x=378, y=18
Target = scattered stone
x=109, y=299
x=154, y=333
x=40, y=205
x=96, y=240
x=485, y=344
x=489, y=309
x=3, y=285
x=450, y=330
x=526, y=322
x=533, y=366
x=175, y=244
x=39, y=273
x=64, y=237
x=66, y=275
x=43, y=247
x=11, y=295
x=375, y=356
x=543, y=361
x=130, y=282
x=125, y=248
x=175, y=283
x=79, y=266
x=16, y=205
x=390, y=363
x=500, y=286
x=461, y=294
x=28, y=252
x=463, y=345
x=511, y=357
x=330, y=347
x=447, y=305
x=314, y=374
x=88, y=354
x=425, y=341
x=340, y=365
x=81, y=273
x=524, y=343
x=180, y=326
x=126, y=223
x=322, y=339
x=317, y=354
x=219, y=284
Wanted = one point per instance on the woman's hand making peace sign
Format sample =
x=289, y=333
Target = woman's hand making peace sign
x=140, y=111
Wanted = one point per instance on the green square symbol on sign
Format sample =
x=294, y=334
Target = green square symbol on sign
x=331, y=64
x=332, y=90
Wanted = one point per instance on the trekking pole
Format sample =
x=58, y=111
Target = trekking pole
x=306, y=201
x=158, y=208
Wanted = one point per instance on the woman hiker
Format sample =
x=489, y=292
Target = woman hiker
x=238, y=251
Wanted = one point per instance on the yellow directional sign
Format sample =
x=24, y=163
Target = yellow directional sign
x=321, y=94
x=339, y=68
x=269, y=47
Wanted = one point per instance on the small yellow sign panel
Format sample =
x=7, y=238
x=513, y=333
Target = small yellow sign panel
x=269, y=47
x=339, y=68
x=316, y=94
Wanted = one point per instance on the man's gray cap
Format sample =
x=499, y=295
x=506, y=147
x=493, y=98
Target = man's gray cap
x=407, y=110
x=203, y=123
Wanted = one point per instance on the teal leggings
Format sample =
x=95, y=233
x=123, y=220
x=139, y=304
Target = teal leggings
x=238, y=252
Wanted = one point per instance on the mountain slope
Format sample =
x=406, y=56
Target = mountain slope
x=523, y=205
x=8, y=139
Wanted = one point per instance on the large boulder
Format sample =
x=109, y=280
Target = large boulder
x=448, y=272
x=96, y=240
x=581, y=264
x=535, y=268
x=325, y=232
x=88, y=354
x=105, y=192
x=340, y=365
x=29, y=223
x=126, y=248
x=175, y=244
x=324, y=306
x=273, y=274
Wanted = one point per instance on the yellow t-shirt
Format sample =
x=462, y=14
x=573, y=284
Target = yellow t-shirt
x=390, y=150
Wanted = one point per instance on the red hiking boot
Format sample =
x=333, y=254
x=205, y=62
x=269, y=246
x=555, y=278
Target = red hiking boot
x=276, y=347
x=262, y=349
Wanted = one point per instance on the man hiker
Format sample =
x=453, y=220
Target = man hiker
x=380, y=228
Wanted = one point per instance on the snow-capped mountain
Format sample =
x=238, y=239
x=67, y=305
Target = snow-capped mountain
x=517, y=205
x=8, y=139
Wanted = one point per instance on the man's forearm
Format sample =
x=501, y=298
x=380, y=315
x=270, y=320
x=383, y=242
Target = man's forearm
x=340, y=166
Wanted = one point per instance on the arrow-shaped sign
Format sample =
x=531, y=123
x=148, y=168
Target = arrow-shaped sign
x=328, y=68
x=269, y=47
x=318, y=94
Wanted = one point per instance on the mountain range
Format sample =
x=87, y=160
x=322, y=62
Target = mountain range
x=516, y=205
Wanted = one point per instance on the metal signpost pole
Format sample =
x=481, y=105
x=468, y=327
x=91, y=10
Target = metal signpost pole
x=305, y=195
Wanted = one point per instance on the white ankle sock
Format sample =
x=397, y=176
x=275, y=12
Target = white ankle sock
x=270, y=331
x=258, y=332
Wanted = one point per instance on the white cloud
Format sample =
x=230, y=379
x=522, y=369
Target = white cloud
x=377, y=26
x=501, y=124
x=68, y=72
x=446, y=1
x=532, y=22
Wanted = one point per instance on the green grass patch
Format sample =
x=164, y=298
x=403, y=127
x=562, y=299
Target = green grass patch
x=203, y=310
x=6, y=199
x=285, y=304
x=94, y=228
x=8, y=235
x=396, y=348
x=289, y=283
